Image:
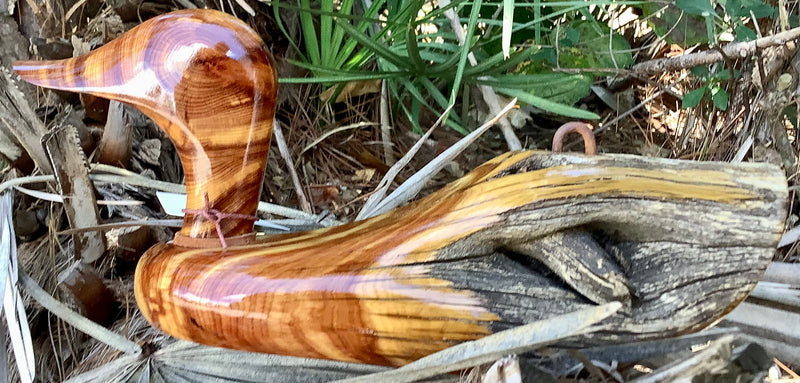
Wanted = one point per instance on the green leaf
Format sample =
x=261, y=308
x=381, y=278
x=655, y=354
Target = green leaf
x=537, y=15
x=743, y=8
x=496, y=63
x=279, y=21
x=309, y=33
x=326, y=75
x=696, y=7
x=412, y=119
x=791, y=114
x=547, y=54
x=434, y=92
x=720, y=98
x=350, y=44
x=691, y=99
x=338, y=35
x=722, y=73
x=530, y=81
x=593, y=48
x=446, y=67
x=465, y=48
x=744, y=33
x=700, y=71
x=413, y=50
x=326, y=34
x=675, y=25
x=548, y=105
x=710, y=29
x=374, y=46
x=572, y=36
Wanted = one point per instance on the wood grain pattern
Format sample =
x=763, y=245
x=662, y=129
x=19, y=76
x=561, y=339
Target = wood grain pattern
x=684, y=241
x=207, y=80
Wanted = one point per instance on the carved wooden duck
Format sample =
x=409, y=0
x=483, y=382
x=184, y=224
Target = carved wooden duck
x=455, y=266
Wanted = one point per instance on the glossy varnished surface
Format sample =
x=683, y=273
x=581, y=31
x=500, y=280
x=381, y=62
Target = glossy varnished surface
x=364, y=291
x=208, y=81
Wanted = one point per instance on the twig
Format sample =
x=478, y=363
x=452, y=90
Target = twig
x=380, y=191
x=287, y=158
x=386, y=128
x=742, y=49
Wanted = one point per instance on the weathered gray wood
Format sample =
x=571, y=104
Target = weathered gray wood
x=782, y=272
x=13, y=46
x=687, y=259
x=580, y=262
x=6, y=7
x=14, y=96
x=19, y=122
x=72, y=175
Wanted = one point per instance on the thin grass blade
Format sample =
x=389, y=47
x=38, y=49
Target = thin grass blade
x=508, y=21
x=548, y=105
x=309, y=32
x=374, y=46
x=465, y=49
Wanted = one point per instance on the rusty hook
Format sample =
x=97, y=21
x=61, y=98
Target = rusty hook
x=582, y=129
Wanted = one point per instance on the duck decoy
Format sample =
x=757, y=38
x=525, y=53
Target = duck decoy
x=681, y=243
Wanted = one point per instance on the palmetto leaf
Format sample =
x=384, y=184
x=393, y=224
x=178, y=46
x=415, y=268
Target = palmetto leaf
x=13, y=308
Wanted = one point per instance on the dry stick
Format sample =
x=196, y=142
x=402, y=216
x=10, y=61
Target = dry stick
x=488, y=93
x=741, y=50
x=287, y=157
x=76, y=320
x=380, y=191
x=386, y=128
x=115, y=146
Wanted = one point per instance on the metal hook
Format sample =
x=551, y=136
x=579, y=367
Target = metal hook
x=582, y=129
